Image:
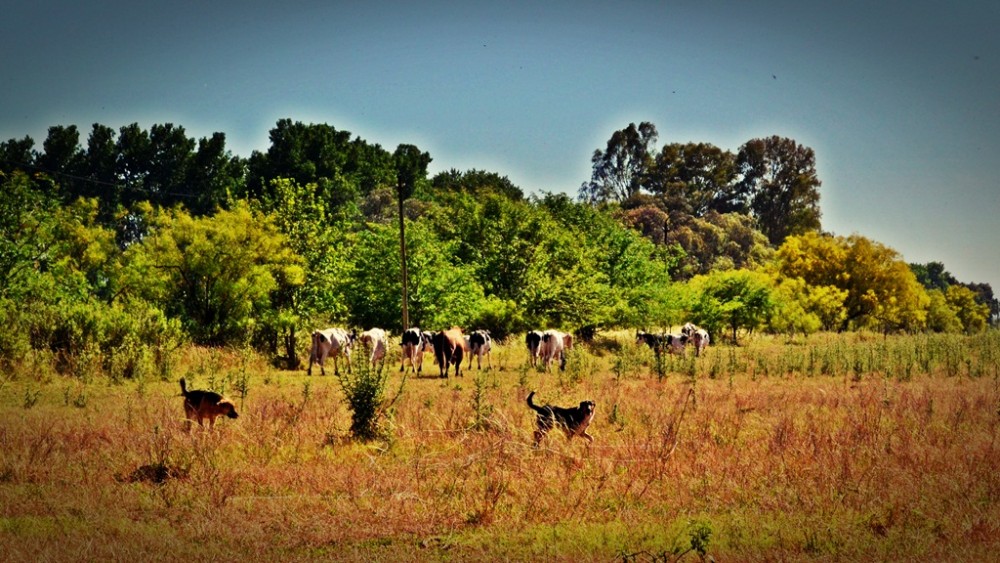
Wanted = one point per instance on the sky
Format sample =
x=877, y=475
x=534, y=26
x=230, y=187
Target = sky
x=899, y=100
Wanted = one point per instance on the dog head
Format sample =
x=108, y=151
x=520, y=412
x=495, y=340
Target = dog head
x=587, y=407
x=228, y=408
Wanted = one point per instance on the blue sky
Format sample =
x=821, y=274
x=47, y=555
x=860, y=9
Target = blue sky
x=900, y=100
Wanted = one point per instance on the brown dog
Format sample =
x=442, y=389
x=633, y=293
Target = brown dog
x=574, y=421
x=199, y=405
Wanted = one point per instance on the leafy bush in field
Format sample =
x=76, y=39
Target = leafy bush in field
x=365, y=391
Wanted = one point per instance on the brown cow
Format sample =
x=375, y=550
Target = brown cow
x=449, y=348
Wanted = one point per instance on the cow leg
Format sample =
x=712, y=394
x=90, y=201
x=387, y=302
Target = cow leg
x=321, y=360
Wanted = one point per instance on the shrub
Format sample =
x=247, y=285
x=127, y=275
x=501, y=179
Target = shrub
x=364, y=386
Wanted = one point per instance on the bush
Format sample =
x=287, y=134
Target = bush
x=364, y=386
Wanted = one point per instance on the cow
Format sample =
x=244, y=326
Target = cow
x=672, y=343
x=335, y=341
x=374, y=339
x=449, y=348
x=480, y=343
x=413, y=344
x=698, y=337
x=534, y=341
x=554, y=345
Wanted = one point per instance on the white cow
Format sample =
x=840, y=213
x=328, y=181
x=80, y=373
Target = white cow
x=335, y=341
x=554, y=345
x=376, y=342
x=697, y=335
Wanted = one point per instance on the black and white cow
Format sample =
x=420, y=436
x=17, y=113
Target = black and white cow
x=697, y=335
x=335, y=341
x=672, y=343
x=414, y=343
x=480, y=343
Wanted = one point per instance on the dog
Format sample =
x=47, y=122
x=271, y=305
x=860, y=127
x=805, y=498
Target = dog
x=574, y=420
x=199, y=405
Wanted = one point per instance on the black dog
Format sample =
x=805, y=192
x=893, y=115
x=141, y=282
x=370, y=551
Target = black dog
x=574, y=421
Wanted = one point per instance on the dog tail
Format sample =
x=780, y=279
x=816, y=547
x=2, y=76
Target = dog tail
x=534, y=407
x=184, y=390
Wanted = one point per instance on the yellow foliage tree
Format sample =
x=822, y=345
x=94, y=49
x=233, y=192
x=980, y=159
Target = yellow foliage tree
x=882, y=291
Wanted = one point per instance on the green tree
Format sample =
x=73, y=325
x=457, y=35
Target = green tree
x=941, y=317
x=694, y=178
x=320, y=154
x=620, y=171
x=325, y=244
x=780, y=183
x=214, y=174
x=216, y=274
x=735, y=299
x=476, y=182
x=441, y=294
x=24, y=242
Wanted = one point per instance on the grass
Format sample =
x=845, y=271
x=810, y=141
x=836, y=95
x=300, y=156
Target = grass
x=841, y=447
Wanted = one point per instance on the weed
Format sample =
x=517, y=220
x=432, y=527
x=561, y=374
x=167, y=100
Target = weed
x=31, y=397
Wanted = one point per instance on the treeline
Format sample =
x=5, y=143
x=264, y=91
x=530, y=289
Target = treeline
x=118, y=250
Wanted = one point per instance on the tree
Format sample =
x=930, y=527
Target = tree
x=441, y=294
x=24, y=243
x=298, y=213
x=216, y=274
x=134, y=153
x=932, y=275
x=320, y=154
x=780, y=182
x=214, y=174
x=941, y=317
x=694, y=178
x=62, y=158
x=620, y=170
x=807, y=308
x=99, y=169
x=736, y=299
x=476, y=182
x=882, y=291
x=973, y=315
x=17, y=154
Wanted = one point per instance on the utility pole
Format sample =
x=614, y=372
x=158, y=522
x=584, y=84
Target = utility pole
x=402, y=254
x=411, y=165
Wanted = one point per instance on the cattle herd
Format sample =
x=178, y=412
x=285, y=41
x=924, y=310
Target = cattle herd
x=450, y=347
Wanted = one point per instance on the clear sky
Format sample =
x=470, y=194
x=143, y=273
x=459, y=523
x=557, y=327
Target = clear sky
x=900, y=100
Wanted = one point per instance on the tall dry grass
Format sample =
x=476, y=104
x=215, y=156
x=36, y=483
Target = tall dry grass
x=842, y=447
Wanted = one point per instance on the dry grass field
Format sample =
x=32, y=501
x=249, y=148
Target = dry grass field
x=837, y=448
